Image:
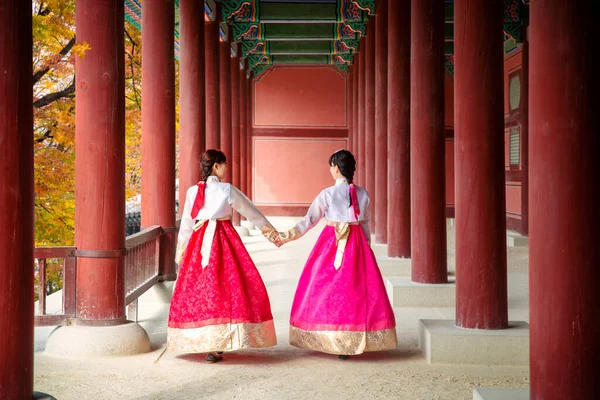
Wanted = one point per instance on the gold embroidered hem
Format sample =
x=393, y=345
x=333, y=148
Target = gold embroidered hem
x=223, y=337
x=343, y=342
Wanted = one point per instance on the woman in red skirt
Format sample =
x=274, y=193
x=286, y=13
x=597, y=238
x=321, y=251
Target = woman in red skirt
x=220, y=302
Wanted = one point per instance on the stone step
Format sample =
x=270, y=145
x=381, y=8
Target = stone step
x=394, y=266
x=444, y=343
x=242, y=231
x=514, y=239
x=404, y=293
x=380, y=250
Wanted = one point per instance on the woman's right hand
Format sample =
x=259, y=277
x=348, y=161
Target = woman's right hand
x=289, y=235
x=272, y=235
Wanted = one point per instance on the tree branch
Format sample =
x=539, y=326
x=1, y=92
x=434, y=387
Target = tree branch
x=43, y=10
x=46, y=135
x=65, y=50
x=131, y=66
x=52, y=97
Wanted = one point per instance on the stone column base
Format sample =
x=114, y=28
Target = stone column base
x=42, y=396
x=248, y=225
x=98, y=341
x=242, y=231
x=443, y=343
x=500, y=394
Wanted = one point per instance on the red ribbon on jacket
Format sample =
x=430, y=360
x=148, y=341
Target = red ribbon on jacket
x=354, y=199
x=199, y=200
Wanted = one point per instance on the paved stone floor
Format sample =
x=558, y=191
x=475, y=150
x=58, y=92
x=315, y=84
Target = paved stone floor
x=283, y=372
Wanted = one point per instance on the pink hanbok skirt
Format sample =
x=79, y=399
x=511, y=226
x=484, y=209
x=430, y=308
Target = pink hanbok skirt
x=342, y=310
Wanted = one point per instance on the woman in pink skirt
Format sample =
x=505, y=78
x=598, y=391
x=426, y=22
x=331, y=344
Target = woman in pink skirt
x=341, y=305
x=220, y=302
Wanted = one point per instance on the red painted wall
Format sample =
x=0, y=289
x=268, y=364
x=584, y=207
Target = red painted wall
x=299, y=120
x=300, y=96
x=513, y=199
x=292, y=171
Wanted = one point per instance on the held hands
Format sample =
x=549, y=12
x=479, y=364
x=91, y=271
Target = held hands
x=272, y=235
x=280, y=238
x=289, y=235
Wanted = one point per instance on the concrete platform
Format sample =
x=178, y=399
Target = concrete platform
x=404, y=293
x=380, y=250
x=500, y=394
x=394, y=266
x=514, y=239
x=443, y=343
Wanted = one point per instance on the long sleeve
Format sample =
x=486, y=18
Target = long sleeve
x=244, y=206
x=317, y=210
x=186, y=226
x=364, y=224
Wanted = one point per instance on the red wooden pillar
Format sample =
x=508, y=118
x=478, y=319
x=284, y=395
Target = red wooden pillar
x=192, y=101
x=211, y=60
x=381, y=111
x=249, y=130
x=399, y=129
x=360, y=148
x=355, y=108
x=100, y=163
x=369, y=152
x=427, y=144
x=354, y=105
x=158, y=126
x=243, y=133
x=564, y=199
x=349, y=99
x=481, y=297
x=16, y=201
x=225, y=99
x=235, y=127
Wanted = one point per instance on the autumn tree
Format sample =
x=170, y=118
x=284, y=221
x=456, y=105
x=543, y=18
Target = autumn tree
x=55, y=48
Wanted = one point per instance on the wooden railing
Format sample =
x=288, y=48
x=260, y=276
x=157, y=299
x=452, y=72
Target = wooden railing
x=66, y=255
x=141, y=266
x=142, y=262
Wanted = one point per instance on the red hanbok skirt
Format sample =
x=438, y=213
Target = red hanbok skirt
x=223, y=306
